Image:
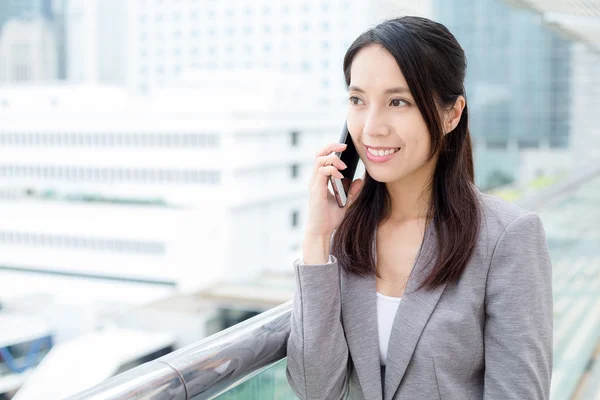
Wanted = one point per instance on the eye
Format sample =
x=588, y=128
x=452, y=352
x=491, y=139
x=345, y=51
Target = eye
x=354, y=100
x=396, y=102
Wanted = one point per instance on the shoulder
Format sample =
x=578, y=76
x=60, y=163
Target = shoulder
x=500, y=218
x=496, y=210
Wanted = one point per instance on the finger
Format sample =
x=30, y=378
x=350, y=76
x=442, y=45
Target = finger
x=329, y=160
x=355, y=189
x=330, y=148
x=320, y=188
x=325, y=161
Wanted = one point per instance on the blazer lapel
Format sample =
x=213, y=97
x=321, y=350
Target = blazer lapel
x=359, y=311
x=412, y=315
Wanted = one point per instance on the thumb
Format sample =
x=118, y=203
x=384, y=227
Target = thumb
x=355, y=189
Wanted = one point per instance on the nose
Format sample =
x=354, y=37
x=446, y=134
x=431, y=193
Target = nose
x=375, y=125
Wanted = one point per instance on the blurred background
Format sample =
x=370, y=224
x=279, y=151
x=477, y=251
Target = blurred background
x=155, y=158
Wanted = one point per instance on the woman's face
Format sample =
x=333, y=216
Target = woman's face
x=382, y=114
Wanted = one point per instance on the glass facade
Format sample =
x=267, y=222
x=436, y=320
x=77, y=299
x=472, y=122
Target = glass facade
x=518, y=83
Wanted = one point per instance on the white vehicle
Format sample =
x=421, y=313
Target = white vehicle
x=79, y=364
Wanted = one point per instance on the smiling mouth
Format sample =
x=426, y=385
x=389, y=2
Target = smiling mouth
x=382, y=153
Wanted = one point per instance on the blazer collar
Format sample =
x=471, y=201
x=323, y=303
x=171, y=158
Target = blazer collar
x=359, y=312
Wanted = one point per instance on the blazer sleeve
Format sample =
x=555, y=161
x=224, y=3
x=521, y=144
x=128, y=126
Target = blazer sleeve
x=519, y=314
x=317, y=352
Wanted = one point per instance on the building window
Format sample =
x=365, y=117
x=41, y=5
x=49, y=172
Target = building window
x=496, y=144
x=528, y=144
x=295, y=170
x=294, y=136
x=295, y=215
x=22, y=73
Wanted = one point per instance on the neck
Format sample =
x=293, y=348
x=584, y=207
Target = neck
x=411, y=196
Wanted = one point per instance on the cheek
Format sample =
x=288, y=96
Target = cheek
x=354, y=125
x=422, y=143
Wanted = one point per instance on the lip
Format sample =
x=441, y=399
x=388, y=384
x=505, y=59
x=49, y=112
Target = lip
x=378, y=159
x=380, y=147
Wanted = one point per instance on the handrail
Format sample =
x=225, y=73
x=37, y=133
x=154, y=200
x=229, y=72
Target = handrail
x=214, y=365
x=534, y=201
x=205, y=369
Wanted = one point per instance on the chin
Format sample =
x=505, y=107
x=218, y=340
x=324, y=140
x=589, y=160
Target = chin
x=383, y=177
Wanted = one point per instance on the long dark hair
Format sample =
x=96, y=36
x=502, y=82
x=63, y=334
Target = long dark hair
x=434, y=66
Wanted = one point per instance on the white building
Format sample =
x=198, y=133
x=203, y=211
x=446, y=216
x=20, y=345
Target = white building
x=585, y=103
x=96, y=41
x=28, y=52
x=167, y=38
x=217, y=177
x=148, y=44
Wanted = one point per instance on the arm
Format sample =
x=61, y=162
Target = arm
x=317, y=352
x=519, y=320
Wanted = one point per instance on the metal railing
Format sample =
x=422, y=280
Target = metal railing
x=205, y=369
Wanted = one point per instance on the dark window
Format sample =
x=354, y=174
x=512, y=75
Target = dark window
x=295, y=215
x=497, y=144
x=295, y=135
x=528, y=144
x=294, y=170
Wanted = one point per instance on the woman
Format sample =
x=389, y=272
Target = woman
x=429, y=289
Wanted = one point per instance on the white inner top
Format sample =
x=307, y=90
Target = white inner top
x=386, y=311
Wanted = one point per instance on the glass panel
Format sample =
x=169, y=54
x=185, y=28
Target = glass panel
x=270, y=383
x=573, y=233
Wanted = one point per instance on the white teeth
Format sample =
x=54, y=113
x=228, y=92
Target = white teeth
x=381, y=153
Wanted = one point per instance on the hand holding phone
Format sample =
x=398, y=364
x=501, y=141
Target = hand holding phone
x=350, y=157
x=326, y=210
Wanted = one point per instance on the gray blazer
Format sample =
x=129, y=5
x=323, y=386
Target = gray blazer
x=489, y=336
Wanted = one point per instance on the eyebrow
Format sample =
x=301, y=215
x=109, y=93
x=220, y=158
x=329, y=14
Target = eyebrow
x=398, y=89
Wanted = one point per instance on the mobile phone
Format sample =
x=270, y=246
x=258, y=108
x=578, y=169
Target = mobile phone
x=341, y=187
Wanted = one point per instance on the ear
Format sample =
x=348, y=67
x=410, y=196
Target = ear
x=452, y=117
